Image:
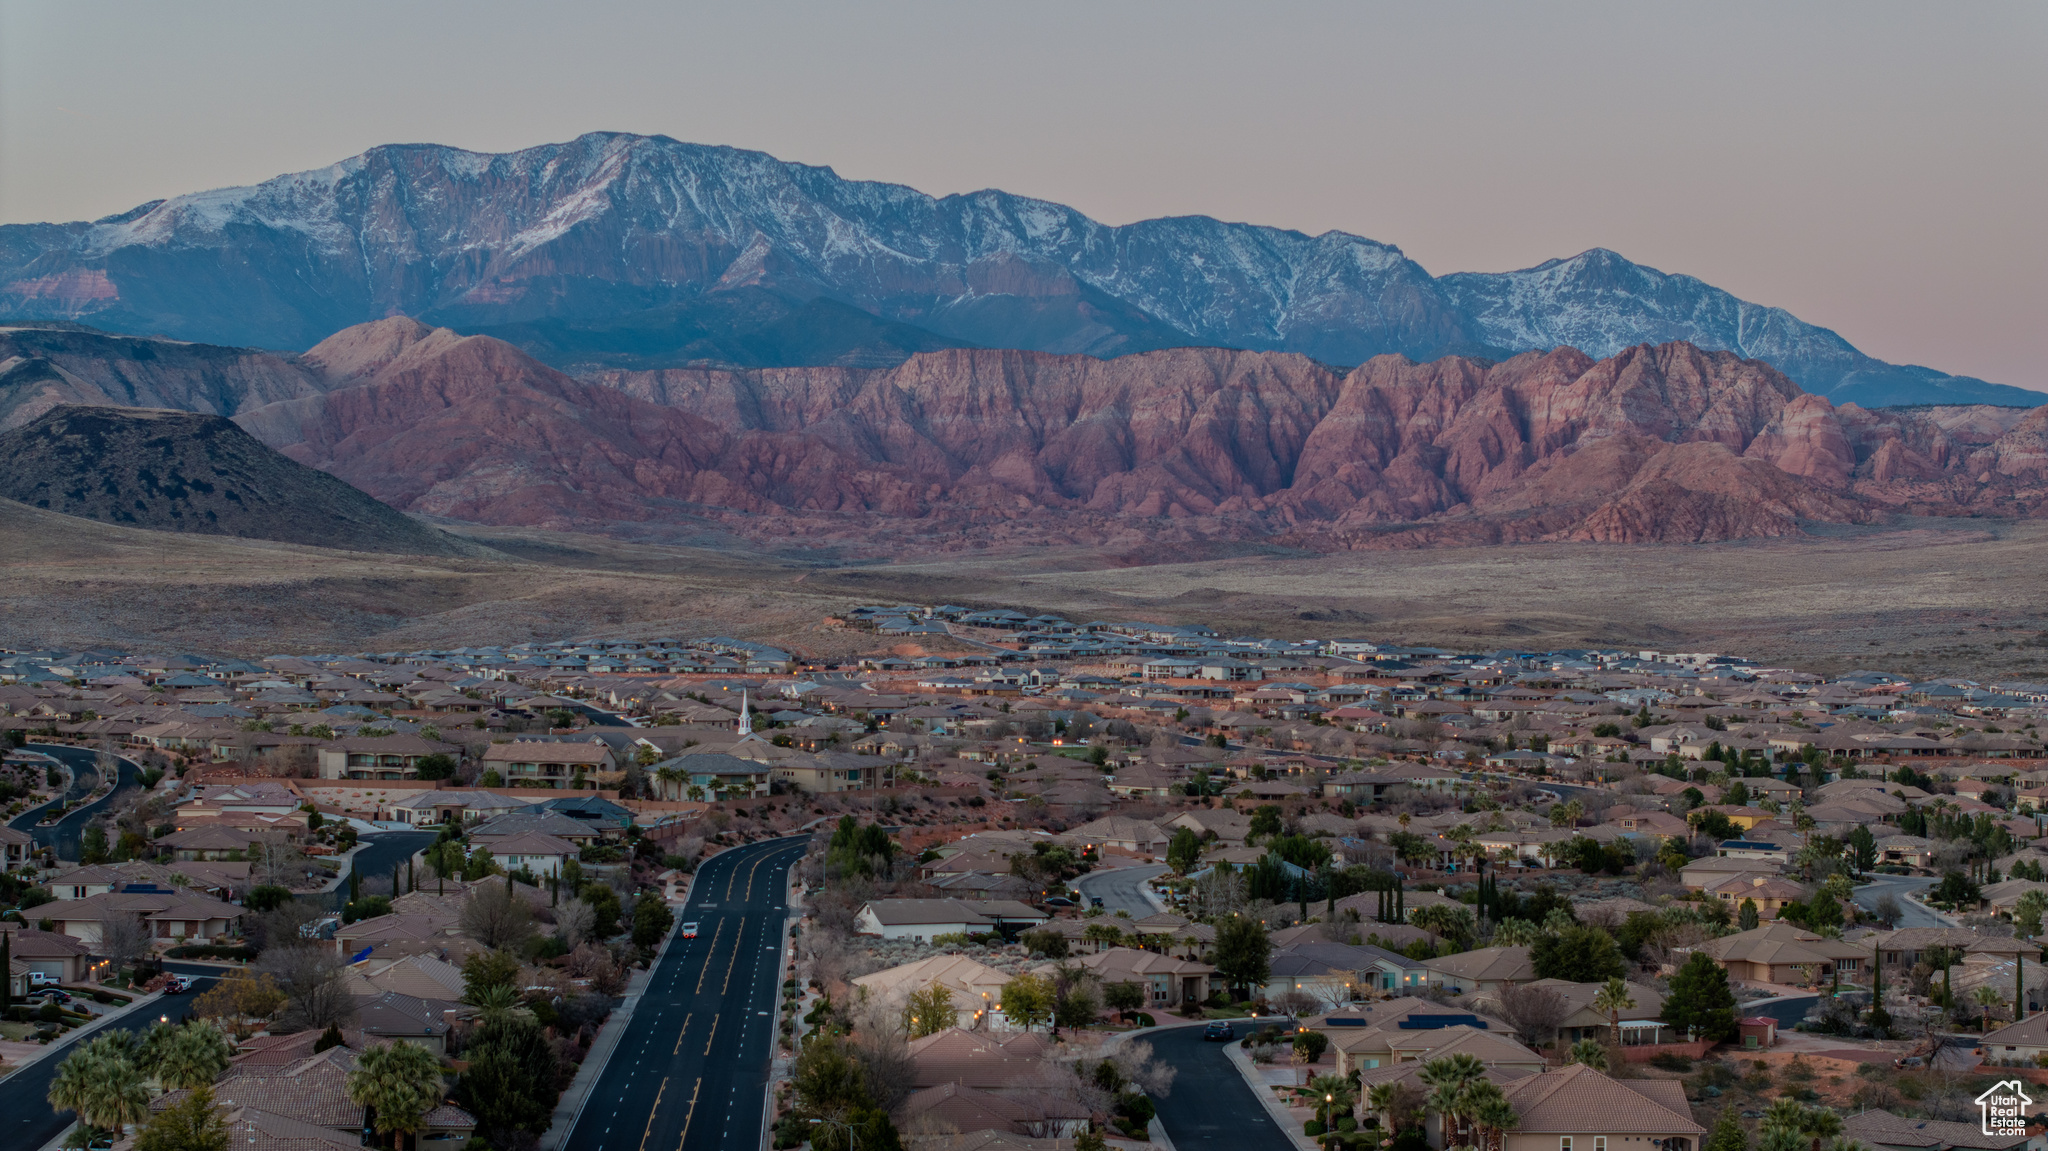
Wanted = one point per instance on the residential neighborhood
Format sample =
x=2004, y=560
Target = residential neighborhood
x=1626, y=895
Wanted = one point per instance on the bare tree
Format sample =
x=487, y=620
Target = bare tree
x=883, y=1051
x=1342, y=927
x=124, y=939
x=1534, y=1012
x=1296, y=1002
x=1217, y=893
x=496, y=918
x=1151, y=1075
x=310, y=975
x=281, y=863
x=573, y=920
x=279, y=927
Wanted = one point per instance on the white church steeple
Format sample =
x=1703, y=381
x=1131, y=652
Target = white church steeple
x=746, y=717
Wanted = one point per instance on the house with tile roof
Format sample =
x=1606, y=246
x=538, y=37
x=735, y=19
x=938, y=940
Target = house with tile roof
x=1769, y=893
x=976, y=987
x=1481, y=970
x=1584, y=1021
x=923, y=919
x=380, y=757
x=1785, y=953
x=313, y=1090
x=170, y=913
x=532, y=851
x=955, y=1107
x=1168, y=981
x=988, y=1061
x=1576, y=1108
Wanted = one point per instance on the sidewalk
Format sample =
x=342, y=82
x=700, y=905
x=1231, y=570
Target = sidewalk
x=570, y=1106
x=1289, y=1124
x=142, y=1002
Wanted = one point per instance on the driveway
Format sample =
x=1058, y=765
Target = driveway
x=64, y=834
x=1914, y=915
x=1117, y=888
x=1211, y=1107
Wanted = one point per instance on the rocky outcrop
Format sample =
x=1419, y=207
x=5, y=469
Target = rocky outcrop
x=965, y=447
x=43, y=366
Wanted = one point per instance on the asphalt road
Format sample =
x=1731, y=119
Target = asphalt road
x=26, y=1118
x=1117, y=887
x=380, y=853
x=1211, y=1107
x=1785, y=1011
x=691, y=1070
x=84, y=777
x=1913, y=915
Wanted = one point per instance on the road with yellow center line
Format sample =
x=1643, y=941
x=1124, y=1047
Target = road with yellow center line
x=722, y=987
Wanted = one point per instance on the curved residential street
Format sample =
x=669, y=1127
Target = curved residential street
x=64, y=834
x=1118, y=888
x=1211, y=1107
x=1898, y=886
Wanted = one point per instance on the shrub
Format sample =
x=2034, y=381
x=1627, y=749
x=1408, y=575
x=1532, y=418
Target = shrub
x=1312, y=1128
x=211, y=951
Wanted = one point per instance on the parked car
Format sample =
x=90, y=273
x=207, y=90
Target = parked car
x=43, y=979
x=177, y=985
x=51, y=994
x=690, y=930
x=1220, y=1029
x=1095, y=901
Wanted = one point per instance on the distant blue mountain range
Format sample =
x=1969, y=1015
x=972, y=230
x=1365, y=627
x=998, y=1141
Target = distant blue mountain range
x=617, y=250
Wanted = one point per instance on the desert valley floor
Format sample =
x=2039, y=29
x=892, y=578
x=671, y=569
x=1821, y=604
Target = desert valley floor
x=1929, y=596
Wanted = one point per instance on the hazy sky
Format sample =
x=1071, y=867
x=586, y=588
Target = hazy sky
x=1878, y=168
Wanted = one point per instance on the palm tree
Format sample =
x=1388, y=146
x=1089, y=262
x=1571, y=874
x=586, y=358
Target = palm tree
x=1613, y=998
x=102, y=1086
x=1381, y=1099
x=494, y=1001
x=1449, y=1080
x=190, y=1056
x=399, y=1082
x=1335, y=1093
x=1492, y=1113
x=1987, y=997
x=1588, y=1052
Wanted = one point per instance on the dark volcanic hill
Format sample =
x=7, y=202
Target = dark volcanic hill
x=966, y=447
x=179, y=471
x=639, y=252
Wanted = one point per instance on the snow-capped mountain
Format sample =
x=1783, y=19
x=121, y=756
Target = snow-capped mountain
x=626, y=250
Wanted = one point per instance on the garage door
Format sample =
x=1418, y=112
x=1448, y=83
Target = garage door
x=50, y=967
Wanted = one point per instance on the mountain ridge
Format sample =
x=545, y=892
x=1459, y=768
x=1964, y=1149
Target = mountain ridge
x=600, y=234
x=964, y=448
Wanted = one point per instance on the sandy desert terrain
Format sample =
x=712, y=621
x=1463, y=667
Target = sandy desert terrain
x=1931, y=597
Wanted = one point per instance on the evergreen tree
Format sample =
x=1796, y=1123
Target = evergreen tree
x=1701, y=1001
x=1746, y=919
x=1728, y=1134
x=1577, y=954
x=1243, y=953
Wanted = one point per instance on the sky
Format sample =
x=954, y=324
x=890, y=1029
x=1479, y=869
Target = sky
x=1877, y=168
